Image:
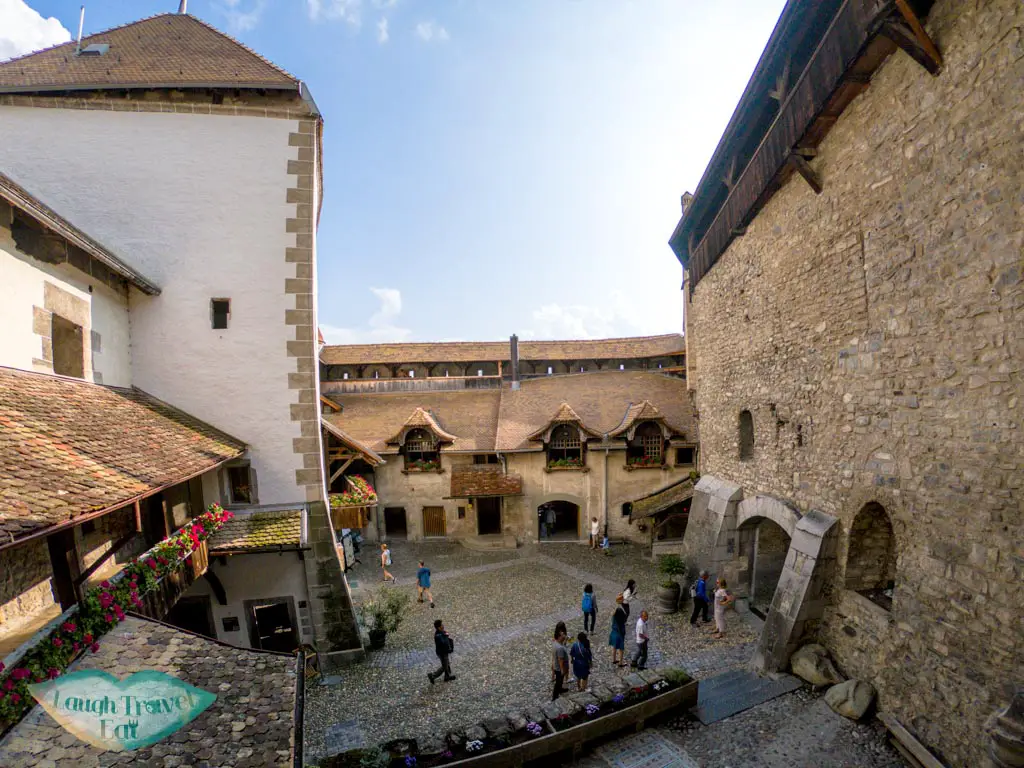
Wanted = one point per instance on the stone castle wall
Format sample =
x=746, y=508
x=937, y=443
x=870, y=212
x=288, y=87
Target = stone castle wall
x=876, y=334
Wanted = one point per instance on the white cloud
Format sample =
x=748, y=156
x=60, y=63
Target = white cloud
x=385, y=3
x=382, y=31
x=242, y=19
x=343, y=10
x=23, y=30
x=619, y=315
x=430, y=30
x=382, y=327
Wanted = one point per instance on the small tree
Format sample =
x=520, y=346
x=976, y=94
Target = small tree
x=671, y=567
x=384, y=610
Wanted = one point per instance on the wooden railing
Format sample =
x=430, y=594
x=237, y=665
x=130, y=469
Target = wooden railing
x=159, y=601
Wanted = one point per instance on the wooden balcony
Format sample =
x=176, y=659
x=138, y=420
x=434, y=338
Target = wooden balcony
x=158, y=602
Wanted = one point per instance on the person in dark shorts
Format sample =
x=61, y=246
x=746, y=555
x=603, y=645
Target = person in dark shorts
x=443, y=647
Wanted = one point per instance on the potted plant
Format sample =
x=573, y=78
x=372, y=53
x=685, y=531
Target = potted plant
x=671, y=567
x=383, y=612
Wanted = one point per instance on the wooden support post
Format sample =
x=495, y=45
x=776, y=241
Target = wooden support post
x=919, y=32
x=126, y=539
x=344, y=466
x=804, y=169
x=730, y=174
x=138, y=517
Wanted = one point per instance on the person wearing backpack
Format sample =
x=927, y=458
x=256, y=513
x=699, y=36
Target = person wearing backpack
x=699, y=593
x=385, y=561
x=589, y=608
x=443, y=647
x=582, y=659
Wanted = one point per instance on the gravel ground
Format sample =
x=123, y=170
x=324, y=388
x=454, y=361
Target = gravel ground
x=796, y=730
x=501, y=619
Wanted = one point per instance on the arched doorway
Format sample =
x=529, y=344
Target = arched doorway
x=763, y=545
x=871, y=557
x=558, y=521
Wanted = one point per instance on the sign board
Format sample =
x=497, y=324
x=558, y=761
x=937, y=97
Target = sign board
x=119, y=715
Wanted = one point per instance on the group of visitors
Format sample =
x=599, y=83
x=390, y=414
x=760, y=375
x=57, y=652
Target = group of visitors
x=722, y=599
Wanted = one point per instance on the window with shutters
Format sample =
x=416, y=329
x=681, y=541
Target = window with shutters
x=647, y=448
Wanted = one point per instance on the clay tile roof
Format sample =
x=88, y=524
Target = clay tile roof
x=422, y=419
x=68, y=447
x=490, y=351
x=602, y=401
x=469, y=417
x=259, y=532
x=22, y=199
x=662, y=499
x=645, y=411
x=564, y=415
x=372, y=457
x=255, y=704
x=169, y=50
x=483, y=480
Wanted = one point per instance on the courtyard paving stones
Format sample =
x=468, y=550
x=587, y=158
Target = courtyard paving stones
x=501, y=608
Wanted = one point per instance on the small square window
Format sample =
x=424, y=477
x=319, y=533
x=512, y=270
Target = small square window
x=685, y=456
x=220, y=310
x=462, y=513
x=627, y=509
x=67, y=347
x=240, y=484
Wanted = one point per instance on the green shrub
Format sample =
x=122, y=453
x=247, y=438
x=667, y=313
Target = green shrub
x=671, y=566
x=675, y=675
x=384, y=609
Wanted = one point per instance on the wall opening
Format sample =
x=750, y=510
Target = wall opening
x=746, y=435
x=763, y=545
x=871, y=557
x=558, y=521
x=68, y=347
x=395, y=525
x=488, y=515
x=421, y=451
x=646, y=449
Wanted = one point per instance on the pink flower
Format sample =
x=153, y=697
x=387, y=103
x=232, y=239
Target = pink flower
x=15, y=698
x=75, y=647
x=20, y=674
x=57, y=642
x=105, y=584
x=2, y=667
x=94, y=647
x=68, y=626
x=151, y=563
x=109, y=619
x=87, y=637
x=8, y=684
x=53, y=672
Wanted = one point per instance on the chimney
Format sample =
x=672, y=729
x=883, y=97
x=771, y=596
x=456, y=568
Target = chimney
x=183, y=6
x=514, y=345
x=685, y=201
x=81, y=23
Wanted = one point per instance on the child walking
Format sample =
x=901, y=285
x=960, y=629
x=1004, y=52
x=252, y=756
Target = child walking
x=582, y=659
x=589, y=608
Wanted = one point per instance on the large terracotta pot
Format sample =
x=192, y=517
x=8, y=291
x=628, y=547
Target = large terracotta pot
x=668, y=598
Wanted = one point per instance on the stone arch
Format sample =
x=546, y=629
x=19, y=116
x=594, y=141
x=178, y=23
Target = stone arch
x=487, y=369
x=579, y=501
x=871, y=554
x=413, y=371
x=773, y=509
x=377, y=372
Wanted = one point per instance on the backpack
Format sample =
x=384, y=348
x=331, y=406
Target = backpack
x=451, y=644
x=693, y=589
x=588, y=602
x=387, y=557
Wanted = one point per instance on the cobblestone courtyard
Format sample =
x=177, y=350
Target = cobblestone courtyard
x=501, y=607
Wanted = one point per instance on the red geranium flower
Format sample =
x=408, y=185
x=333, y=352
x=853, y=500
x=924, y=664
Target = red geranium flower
x=15, y=698
x=68, y=626
x=94, y=647
x=151, y=563
x=19, y=674
x=53, y=672
x=87, y=637
x=57, y=642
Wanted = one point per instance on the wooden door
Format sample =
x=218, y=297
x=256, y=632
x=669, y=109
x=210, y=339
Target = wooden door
x=433, y=521
x=488, y=515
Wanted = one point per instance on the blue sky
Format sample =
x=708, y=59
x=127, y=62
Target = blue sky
x=494, y=166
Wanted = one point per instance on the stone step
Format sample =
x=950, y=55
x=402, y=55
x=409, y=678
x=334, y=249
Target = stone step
x=738, y=690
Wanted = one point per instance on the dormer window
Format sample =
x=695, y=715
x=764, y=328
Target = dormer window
x=565, y=448
x=646, y=449
x=421, y=451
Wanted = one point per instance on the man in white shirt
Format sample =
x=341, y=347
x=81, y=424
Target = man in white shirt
x=640, y=657
x=595, y=529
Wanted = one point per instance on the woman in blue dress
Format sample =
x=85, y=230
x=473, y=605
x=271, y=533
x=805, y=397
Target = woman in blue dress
x=582, y=658
x=617, y=638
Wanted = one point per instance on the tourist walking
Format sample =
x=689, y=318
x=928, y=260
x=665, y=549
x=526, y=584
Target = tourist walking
x=640, y=657
x=699, y=593
x=559, y=662
x=722, y=599
x=627, y=596
x=589, y=606
x=549, y=520
x=423, y=584
x=444, y=646
x=582, y=659
x=617, y=637
x=595, y=532
x=385, y=561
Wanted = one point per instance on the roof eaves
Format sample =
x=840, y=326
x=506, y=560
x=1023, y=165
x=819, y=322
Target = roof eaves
x=19, y=197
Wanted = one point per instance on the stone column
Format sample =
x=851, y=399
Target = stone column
x=710, y=539
x=1005, y=730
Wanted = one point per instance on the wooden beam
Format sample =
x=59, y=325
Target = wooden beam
x=337, y=474
x=912, y=745
x=807, y=152
x=216, y=585
x=126, y=539
x=904, y=37
x=730, y=174
x=919, y=33
x=804, y=169
x=781, y=85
